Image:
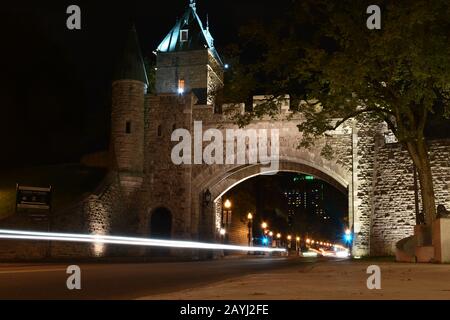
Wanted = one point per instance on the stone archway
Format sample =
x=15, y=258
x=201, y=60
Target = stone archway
x=161, y=223
x=220, y=183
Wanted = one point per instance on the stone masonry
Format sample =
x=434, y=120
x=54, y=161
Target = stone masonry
x=374, y=172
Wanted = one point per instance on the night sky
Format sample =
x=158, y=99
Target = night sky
x=55, y=83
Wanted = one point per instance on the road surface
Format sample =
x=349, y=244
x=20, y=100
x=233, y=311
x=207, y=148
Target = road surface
x=131, y=280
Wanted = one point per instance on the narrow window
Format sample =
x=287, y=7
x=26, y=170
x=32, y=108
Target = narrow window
x=184, y=35
x=128, y=127
x=181, y=86
x=159, y=131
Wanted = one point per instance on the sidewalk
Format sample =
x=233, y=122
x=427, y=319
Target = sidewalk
x=329, y=281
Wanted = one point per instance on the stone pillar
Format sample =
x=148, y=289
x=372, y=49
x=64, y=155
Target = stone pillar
x=441, y=240
x=363, y=171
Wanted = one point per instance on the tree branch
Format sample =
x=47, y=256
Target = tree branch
x=357, y=113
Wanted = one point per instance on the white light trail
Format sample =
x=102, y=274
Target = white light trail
x=96, y=239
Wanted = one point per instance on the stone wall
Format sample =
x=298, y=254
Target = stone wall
x=238, y=231
x=363, y=161
x=393, y=216
x=102, y=212
x=166, y=184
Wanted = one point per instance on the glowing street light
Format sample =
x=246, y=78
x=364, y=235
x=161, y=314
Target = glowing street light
x=264, y=225
x=227, y=204
x=348, y=235
x=222, y=231
x=271, y=234
x=308, y=241
x=278, y=235
x=289, y=237
x=250, y=229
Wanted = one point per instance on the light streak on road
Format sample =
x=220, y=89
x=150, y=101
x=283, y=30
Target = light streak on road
x=96, y=239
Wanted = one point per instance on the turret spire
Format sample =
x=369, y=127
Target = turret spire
x=131, y=64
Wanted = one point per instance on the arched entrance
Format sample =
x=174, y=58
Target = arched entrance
x=160, y=228
x=289, y=203
x=161, y=224
x=222, y=181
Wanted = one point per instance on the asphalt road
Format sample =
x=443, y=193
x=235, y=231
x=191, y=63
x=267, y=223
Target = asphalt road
x=130, y=280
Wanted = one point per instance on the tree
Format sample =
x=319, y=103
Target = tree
x=323, y=54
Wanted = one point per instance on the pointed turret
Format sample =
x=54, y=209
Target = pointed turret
x=131, y=64
x=127, y=128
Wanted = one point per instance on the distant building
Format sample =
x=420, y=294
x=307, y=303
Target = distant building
x=306, y=196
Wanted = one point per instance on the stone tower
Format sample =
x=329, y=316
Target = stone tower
x=187, y=60
x=128, y=95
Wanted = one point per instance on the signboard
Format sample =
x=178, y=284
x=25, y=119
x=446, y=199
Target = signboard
x=33, y=197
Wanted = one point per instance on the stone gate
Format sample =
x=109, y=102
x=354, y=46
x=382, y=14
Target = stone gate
x=369, y=165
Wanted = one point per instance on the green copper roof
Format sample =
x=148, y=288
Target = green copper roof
x=198, y=36
x=131, y=64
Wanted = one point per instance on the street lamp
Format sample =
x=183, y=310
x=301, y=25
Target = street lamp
x=278, y=241
x=227, y=204
x=222, y=233
x=250, y=229
x=206, y=197
x=289, y=238
x=264, y=225
x=348, y=238
x=226, y=213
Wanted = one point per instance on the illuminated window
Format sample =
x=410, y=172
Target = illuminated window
x=181, y=86
x=184, y=35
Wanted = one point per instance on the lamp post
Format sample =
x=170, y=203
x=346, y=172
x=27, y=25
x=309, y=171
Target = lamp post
x=297, y=244
x=278, y=239
x=226, y=213
x=223, y=232
x=264, y=227
x=226, y=220
x=348, y=239
x=250, y=229
x=289, y=238
x=271, y=238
